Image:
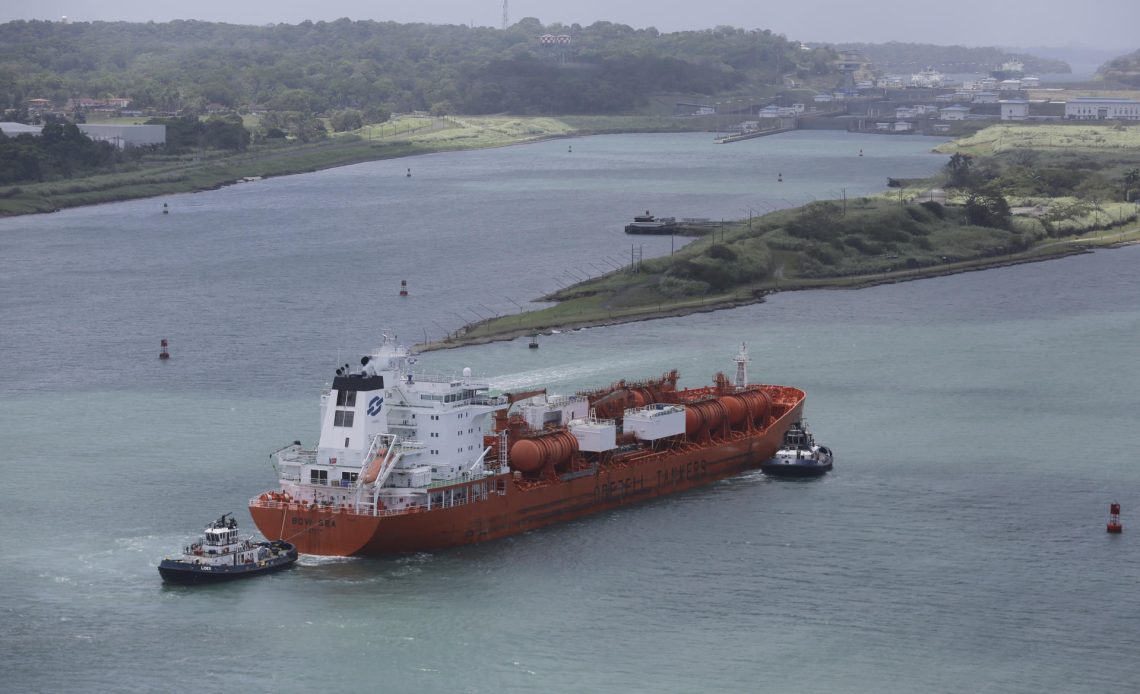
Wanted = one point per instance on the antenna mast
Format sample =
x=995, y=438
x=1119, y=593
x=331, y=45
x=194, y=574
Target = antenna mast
x=742, y=360
x=506, y=15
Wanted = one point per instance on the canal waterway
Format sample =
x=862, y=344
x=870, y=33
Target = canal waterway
x=983, y=422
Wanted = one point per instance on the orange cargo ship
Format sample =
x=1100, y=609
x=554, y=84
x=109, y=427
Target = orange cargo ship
x=410, y=461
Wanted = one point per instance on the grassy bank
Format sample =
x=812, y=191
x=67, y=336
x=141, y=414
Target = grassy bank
x=163, y=175
x=596, y=311
x=1063, y=183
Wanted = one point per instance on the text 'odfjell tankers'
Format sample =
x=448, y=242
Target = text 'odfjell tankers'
x=411, y=461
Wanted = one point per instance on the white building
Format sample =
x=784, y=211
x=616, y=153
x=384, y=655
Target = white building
x=985, y=98
x=1014, y=109
x=123, y=135
x=1030, y=82
x=903, y=126
x=1102, y=108
x=954, y=112
x=14, y=129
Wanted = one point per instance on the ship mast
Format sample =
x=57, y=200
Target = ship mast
x=742, y=360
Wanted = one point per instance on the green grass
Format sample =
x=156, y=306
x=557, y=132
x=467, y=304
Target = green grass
x=997, y=139
x=877, y=240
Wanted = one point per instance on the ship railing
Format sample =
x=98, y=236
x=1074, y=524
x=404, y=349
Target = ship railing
x=485, y=401
x=491, y=401
x=438, y=377
x=469, y=477
x=293, y=456
x=364, y=508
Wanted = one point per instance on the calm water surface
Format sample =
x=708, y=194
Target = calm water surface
x=983, y=422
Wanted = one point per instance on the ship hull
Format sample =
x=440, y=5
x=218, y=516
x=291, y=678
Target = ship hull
x=812, y=469
x=503, y=506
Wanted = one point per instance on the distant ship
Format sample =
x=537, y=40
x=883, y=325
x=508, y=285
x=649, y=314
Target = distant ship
x=649, y=224
x=410, y=460
x=928, y=78
x=1011, y=69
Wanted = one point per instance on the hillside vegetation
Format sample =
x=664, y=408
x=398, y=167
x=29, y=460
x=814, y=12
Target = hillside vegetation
x=1125, y=70
x=912, y=57
x=381, y=67
x=1010, y=193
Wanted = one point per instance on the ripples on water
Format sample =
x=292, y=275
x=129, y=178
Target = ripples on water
x=982, y=422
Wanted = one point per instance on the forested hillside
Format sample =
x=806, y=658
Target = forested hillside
x=1125, y=69
x=912, y=57
x=324, y=66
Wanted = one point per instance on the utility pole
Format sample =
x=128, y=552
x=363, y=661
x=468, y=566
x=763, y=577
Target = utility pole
x=506, y=15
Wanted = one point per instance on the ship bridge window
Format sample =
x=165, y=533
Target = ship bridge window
x=346, y=398
x=343, y=418
x=319, y=476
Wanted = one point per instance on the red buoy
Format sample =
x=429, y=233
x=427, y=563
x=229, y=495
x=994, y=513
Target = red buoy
x=1114, y=525
x=403, y=287
x=163, y=354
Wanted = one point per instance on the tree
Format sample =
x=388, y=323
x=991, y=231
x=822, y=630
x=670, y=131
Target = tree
x=958, y=169
x=1131, y=178
x=349, y=119
x=987, y=207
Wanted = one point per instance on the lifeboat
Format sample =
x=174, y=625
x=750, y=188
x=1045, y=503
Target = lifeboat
x=374, y=467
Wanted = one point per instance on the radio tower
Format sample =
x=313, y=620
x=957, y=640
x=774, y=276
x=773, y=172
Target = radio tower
x=506, y=15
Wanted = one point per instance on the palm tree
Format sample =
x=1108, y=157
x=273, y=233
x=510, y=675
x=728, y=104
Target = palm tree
x=959, y=168
x=1131, y=178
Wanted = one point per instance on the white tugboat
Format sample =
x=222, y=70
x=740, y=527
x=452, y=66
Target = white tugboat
x=799, y=456
x=220, y=555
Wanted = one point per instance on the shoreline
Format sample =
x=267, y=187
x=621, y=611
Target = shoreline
x=18, y=200
x=1064, y=249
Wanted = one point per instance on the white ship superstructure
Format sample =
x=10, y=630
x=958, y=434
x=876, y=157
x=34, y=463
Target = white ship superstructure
x=388, y=433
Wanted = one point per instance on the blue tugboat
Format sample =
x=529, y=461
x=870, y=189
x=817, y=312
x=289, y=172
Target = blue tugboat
x=220, y=555
x=799, y=456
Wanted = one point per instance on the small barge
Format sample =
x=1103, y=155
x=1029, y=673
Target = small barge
x=649, y=224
